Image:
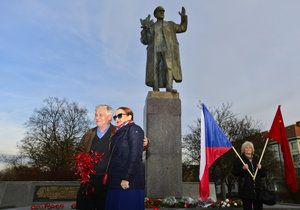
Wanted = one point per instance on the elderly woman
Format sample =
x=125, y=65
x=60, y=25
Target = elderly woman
x=249, y=189
x=126, y=169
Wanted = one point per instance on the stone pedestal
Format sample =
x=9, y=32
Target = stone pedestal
x=162, y=124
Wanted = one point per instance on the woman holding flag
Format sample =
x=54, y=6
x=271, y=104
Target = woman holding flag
x=249, y=188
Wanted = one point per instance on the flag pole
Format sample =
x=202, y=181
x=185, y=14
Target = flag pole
x=262, y=154
x=242, y=160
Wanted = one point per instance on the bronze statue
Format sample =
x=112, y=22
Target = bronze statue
x=163, y=60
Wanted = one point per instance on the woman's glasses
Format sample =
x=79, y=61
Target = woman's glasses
x=119, y=116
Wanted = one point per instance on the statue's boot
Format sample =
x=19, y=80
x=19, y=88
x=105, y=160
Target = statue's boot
x=171, y=90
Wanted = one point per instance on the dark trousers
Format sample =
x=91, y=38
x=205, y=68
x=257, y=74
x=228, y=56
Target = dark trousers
x=93, y=196
x=252, y=204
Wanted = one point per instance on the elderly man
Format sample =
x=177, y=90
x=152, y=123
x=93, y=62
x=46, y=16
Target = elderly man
x=163, y=60
x=97, y=139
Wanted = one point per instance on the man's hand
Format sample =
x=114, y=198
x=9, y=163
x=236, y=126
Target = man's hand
x=182, y=13
x=146, y=143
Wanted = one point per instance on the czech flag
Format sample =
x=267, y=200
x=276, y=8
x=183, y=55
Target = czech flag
x=213, y=144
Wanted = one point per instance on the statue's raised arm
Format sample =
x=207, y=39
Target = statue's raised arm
x=182, y=13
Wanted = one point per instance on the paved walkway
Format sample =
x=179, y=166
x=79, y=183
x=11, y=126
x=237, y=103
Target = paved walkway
x=283, y=206
x=277, y=207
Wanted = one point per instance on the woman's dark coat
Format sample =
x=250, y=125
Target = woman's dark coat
x=248, y=189
x=126, y=157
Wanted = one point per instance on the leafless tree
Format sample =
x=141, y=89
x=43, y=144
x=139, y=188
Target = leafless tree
x=53, y=132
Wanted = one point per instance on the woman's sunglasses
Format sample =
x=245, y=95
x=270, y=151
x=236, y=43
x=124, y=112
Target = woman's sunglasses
x=119, y=116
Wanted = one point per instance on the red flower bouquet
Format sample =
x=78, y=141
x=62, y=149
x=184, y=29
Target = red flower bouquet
x=85, y=165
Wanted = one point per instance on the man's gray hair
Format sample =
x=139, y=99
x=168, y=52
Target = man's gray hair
x=109, y=109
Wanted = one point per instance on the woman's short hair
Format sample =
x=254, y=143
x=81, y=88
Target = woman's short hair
x=247, y=144
x=109, y=110
x=127, y=110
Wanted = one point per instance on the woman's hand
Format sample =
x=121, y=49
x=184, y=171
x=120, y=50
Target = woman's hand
x=245, y=167
x=124, y=184
x=258, y=166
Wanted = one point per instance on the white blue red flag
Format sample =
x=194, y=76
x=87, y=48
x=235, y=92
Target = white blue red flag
x=214, y=144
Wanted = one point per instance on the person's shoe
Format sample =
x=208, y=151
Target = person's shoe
x=155, y=89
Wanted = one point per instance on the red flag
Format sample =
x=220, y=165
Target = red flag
x=278, y=133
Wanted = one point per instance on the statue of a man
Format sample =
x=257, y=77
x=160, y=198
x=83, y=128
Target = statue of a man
x=163, y=60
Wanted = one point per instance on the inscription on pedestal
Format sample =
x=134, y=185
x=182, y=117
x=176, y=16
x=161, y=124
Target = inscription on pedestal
x=55, y=193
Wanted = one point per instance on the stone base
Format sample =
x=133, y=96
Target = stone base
x=162, y=123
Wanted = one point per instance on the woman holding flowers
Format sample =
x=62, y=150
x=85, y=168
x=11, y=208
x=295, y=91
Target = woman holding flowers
x=126, y=168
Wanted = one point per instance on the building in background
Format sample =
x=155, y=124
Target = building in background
x=293, y=134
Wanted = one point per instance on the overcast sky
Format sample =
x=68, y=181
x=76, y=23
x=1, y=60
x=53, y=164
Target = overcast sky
x=240, y=52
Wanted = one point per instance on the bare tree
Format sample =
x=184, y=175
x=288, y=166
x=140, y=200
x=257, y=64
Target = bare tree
x=53, y=132
x=233, y=127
